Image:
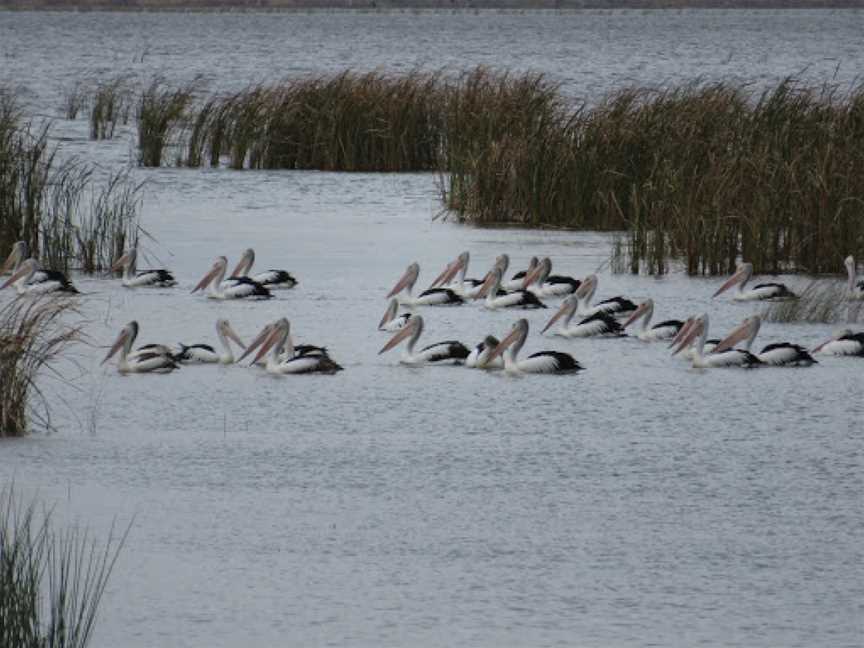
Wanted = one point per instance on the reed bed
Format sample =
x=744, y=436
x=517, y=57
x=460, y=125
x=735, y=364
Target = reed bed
x=161, y=114
x=51, y=582
x=111, y=106
x=820, y=302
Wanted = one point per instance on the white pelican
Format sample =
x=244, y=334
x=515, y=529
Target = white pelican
x=391, y=321
x=515, y=282
x=782, y=354
x=430, y=297
x=496, y=298
x=843, y=343
x=134, y=279
x=762, y=291
x=231, y=288
x=284, y=358
x=543, y=284
x=596, y=324
x=663, y=331
x=856, y=290
x=438, y=353
x=205, y=353
x=479, y=358
x=453, y=277
x=690, y=353
x=142, y=361
x=22, y=277
x=546, y=362
x=272, y=279
x=19, y=255
x=615, y=306
x=698, y=331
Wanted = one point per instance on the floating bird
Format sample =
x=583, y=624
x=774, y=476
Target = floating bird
x=615, y=306
x=271, y=279
x=479, y=358
x=134, y=279
x=515, y=282
x=697, y=331
x=143, y=361
x=19, y=255
x=391, y=321
x=782, y=354
x=762, y=291
x=496, y=299
x=204, y=353
x=843, y=343
x=544, y=362
x=543, y=284
x=231, y=288
x=598, y=323
x=449, y=351
x=856, y=290
x=663, y=331
x=284, y=358
x=430, y=297
x=22, y=277
x=453, y=277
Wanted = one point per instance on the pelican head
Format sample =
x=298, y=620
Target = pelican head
x=18, y=254
x=746, y=330
x=413, y=329
x=389, y=314
x=696, y=328
x=408, y=279
x=587, y=288
x=645, y=309
x=452, y=269
x=279, y=332
x=539, y=274
x=124, y=341
x=260, y=339
x=515, y=339
x=567, y=309
x=224, y=328
x=217, y=269
x=502, y=261
x=836, y=336
x=125, y=261
x=684, y=330
x=742, y=276
x=24, y=272
x=244, y=265
x=492, y=282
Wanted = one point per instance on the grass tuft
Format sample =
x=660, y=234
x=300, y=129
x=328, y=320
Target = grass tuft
x=822, y=302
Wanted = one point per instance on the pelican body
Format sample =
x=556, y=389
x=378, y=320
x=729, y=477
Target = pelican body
x=781, y=354
x=271, y=279
x=697, y=331
x=542, y=362
x=614, y=306
x=496, y=299
x=133, y=279
x=453, y=278
x=760, y=292
x=665, y=330
x=231, y=288
x=517, y=280
x=855, y=290
x=598, y=323
x=23, y=276
x=480, y=356
x=204, y=353
x=284, y=358
x=19, y=255
x=843, y=343
x=449, y=351
x=431, y=297
x=391, y=321
x=544, y=284
x=148, y=359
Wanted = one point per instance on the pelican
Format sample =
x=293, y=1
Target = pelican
x=453, y=276
x=543, y=284
x=690, y=353
x=430, y=297
x=272, y=279
x=142, y=361
x=843, y=343
x=391, y=321
x=495, y=299
x=289, y=349
x=22, y=277
x=856, y=290
x=598, y=323
x=204, y=353
x=134, y=279
x=662, y=331
x=515, y=282
x=541, y=362
x=782, y=354
x=283, y=358
x=479, y=356
x=762, y=291
x=615, y=306
x=698, y=332
x=231, y=288
x=438, y=353
x=19, y=255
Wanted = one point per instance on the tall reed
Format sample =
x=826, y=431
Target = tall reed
x=821, y=301
x=111, y=106
x=161, y=112
x=76, y=98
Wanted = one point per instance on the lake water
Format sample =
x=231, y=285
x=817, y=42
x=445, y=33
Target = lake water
x=638, y=503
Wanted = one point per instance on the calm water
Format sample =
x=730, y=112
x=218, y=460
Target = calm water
x=638, y=503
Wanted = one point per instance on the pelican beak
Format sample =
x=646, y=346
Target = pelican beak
x=565, y=308
x=636, y=314
x=22, y=272
x=389, y=314
x=449, y=273
x=684, y=330
x=268, y=344
x=406, y=280
x=10, y=261
x=118, y=344
x=587, y=287
x=739, y=333
x=207, y=278
x=396, y=339
x=260, y=339
x=120, y=262
x=695, y=330
x=734, y=279
x=531, y=275
x=819, y=348
x=487, y=285
x=232, y=334
x=244, y=264
x=502, y=346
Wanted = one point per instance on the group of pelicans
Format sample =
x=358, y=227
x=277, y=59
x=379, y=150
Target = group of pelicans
x=576, y=317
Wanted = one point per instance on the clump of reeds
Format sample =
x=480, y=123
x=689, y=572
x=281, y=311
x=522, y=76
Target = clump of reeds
x=51, y=582
x=76, y=98
x=110, y=223
x=161, y=112
x=111, y=106
x=821, y=301
x=33, y=333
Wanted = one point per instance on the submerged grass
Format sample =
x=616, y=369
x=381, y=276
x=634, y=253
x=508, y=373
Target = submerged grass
x=51, y=583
